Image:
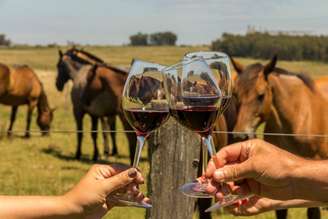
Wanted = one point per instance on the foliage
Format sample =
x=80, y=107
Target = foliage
x=156, y=39
x=163, y=38
x=139, y=39
x=264, y=45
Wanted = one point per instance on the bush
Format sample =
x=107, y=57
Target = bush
x=139, y=39
x=156, y=39
x=264, y=45
x=163, y=38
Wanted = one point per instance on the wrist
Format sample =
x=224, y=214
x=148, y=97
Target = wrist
x=70, y=206
x=310, y=181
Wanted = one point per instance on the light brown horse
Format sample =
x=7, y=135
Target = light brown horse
x=19, y=85
x=72, y=66
x=288, y=103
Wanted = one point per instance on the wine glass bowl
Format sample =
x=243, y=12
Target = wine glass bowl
x=145, y=107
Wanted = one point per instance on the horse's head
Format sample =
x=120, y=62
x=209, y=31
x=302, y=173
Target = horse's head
x=62, y=71
x=254, y=95
x=44, y=120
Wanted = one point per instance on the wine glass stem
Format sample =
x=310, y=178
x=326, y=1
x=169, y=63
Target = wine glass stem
x=204, y=156
x=208, y=142
x=140, y=144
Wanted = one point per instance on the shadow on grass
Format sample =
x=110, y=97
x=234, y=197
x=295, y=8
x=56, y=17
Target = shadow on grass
x=56, y=152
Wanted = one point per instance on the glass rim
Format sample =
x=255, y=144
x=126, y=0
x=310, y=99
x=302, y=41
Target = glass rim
x=183, y=62
x=220, y=55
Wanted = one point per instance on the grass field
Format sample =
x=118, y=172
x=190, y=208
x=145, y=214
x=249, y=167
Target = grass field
x=44, y=165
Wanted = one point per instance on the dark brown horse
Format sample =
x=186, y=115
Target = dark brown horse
x=288, y=103
x=19, y=85
x=72, y=66
x=107, y=123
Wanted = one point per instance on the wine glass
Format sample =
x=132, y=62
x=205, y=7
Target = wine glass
x=219, y=63
x=145, y=107
x=195, y=101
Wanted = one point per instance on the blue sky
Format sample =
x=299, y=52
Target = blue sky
x=112, y=22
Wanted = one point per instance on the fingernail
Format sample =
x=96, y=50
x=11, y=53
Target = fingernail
x=218, y=175
x=214, y=207
x=132, y=173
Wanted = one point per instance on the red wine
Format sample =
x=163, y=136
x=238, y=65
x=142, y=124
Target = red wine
x=199, y=119
x=145, y=121
x=201, y=101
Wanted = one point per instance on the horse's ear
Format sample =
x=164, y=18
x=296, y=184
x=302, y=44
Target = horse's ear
x=60, y=53
x=237, y=66
x=268, y=68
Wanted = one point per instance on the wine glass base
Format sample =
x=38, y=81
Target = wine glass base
x=134, y=204
x=195, y=190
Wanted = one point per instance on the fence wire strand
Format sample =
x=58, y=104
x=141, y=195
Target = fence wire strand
x=57, y=131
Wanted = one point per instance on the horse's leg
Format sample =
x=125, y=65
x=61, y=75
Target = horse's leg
x=104, y=126
x=94, y=134
x=78, y=116
x=203, y=204
x=313, y=213
x=281, y=214
x=30, y=109
x=112, y=126
x=12, y=120
x=132, y=138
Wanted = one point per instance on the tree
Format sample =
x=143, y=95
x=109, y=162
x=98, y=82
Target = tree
x=163, y=38
x=139, y=39
x=4, y=41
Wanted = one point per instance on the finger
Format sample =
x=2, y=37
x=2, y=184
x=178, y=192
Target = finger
x=227, y=154
x=120, y=180
x=234, y=172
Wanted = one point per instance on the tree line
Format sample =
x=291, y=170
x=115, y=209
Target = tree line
x=156, y=39
x=264, y=45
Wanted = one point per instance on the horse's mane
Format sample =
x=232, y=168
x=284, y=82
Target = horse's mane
x=91, y=56
x=254, y=69
x=98, y=61
x=307, y=80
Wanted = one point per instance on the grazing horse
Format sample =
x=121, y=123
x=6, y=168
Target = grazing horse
x=19, y=85
x=288, y=103
x=72, y=66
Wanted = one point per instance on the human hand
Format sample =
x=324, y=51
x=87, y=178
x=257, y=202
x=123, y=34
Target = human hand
x=259, y=167
x=90, y=198
x=252, y=206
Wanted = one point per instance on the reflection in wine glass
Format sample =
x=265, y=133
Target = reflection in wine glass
x=145, y=107
x=196, y=99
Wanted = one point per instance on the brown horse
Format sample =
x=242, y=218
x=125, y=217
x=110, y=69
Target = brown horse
x=19, y=85
x=72, y=66
x=107, y=123
x=288, y=103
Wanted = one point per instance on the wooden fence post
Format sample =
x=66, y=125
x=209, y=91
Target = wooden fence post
x=172, y=150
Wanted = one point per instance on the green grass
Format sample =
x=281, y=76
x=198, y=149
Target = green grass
x=44, y=165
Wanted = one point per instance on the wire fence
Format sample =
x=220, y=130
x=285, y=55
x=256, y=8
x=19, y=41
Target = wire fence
x=57, y=131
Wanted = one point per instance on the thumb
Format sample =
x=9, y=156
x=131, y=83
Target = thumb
x=120, y=180
x=234, y=172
